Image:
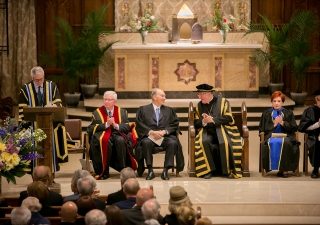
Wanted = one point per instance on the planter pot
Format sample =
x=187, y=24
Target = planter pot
x=275, y=87
x=88, y=90
x=299, y=98
x=72, y=100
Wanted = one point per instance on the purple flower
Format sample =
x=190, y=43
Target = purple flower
x=31, y=156
x=11, y=148
x=22, y=142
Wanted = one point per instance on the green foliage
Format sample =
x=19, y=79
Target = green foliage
x=275, y=36
x=297, y=51
x=78, y=56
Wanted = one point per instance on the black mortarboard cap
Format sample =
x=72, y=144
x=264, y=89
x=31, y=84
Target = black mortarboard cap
x=317, y=92
x=204, y=88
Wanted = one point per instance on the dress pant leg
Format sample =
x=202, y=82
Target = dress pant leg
x=147, y=148
x=170, y=145
x=119, y=154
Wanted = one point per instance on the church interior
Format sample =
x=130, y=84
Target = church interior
x=175, y=58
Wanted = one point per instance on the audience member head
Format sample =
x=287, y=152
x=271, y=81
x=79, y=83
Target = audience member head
x=158, y=97
x=131, y=187
x=86, y=185
x=186, y=215
x=85, y=203
x=20, y=216
x=42, y=173
x=143, y=195
x=277, y=94
x=39, y=190
x=150, y=209
x=114, y=215
x=203, y=221
x=69, y=212
x=76, y=176
x=125, y=174
x=178, y=196
x=95, y=217
x=32, y=203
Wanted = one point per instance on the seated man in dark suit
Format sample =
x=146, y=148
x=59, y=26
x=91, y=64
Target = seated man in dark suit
x=110, y=138
x=119, y=196
x=43, y=174
x=160, y=123
x=134, y=215
x=130, y=189
x=86, y=187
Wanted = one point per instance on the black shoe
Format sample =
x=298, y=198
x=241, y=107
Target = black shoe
x=279, y=174
x=104, y=176
x=285, y=175
x=207, y=176
x=164, y=176
x=150, y=176
x=314, y=175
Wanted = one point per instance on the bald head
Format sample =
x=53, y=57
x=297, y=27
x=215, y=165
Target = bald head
x=41, y=173
x=143, y=195
x=69, y=212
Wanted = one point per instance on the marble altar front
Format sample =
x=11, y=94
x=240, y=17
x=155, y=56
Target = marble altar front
x=177, y=69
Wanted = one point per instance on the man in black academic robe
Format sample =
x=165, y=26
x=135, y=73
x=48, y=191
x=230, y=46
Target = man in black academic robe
x=310, y=123
x=157, y=121
x=111, y=142
x=218, y=146
x=39, y=93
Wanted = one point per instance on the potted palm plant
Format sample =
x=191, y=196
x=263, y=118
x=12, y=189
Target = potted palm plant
x=275, y=36
x=298, y=50
x=78, y=56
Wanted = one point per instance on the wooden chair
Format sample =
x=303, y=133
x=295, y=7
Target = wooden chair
x=74, y=128
x=240, y=121
x=260, y=154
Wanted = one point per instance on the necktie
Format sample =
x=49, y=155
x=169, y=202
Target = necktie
x=109, y=113
x=157, y=115
x=39, y=96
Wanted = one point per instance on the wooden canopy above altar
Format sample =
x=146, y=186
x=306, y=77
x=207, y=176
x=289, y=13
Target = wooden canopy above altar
x=178, y=69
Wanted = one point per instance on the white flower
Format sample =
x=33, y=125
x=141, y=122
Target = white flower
x=152, y=17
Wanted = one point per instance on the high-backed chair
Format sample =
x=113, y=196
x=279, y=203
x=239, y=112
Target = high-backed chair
x=74, y=128
x=260, y=154
x=240, y=121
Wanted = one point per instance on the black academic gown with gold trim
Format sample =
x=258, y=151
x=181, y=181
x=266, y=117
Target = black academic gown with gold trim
x=218, y=145
x=28, y=98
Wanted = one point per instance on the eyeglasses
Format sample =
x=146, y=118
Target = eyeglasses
x=108, y=100
x=202, y=93
x=38, y=80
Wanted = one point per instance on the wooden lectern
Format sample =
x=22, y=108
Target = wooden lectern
x=44, y=116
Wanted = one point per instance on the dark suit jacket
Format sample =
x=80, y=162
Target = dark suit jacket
x=168, y=120
x=116, y=197
x=54, y=199
x=126, y=204
x=134, y=216
x=37, y=218
x=48, y=211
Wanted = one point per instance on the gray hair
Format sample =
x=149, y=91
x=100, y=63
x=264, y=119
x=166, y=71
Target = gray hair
x=77, y=175
x=86, y=185
x=173, y=207
x=111, y=93
x=36, y=71
x=20, y=216
x=32, y=203
x=131, y=186
x=150, y=209
x=126, y=173
x=95, y=217
x=154, y=92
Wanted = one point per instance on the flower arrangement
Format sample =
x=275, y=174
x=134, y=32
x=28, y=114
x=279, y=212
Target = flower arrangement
x=221, y=23
x=17, y=149
x=143, y=22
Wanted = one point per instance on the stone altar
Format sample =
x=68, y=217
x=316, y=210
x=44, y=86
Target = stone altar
x=177, y=69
